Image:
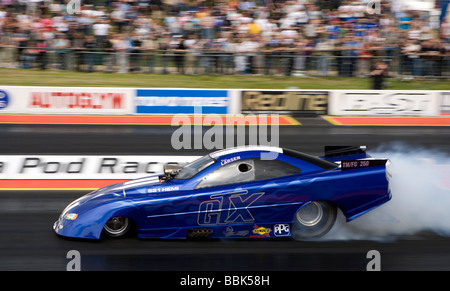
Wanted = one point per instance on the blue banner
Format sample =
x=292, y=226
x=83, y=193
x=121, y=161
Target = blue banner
x=166, y=101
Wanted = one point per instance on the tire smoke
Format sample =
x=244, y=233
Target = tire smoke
x=420, y=186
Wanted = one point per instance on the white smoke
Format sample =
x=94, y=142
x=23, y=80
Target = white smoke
x=420, y=186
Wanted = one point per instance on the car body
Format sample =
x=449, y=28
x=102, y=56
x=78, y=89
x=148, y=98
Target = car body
x=243, y=192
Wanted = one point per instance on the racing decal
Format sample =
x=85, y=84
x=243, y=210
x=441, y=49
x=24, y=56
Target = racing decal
x=358, y=164
x=230, y=232
x=226, y=161
x=163, y=189
x=260, y=231
x=227, y=208
x=282, y=230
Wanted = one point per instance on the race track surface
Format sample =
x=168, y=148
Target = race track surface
x=27, y=241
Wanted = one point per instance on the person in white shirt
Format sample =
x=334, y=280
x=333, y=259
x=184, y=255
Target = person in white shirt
x=101, y=31
x=121, y=46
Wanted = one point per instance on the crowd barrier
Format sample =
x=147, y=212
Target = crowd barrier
x=169, y=101
x=342, y=62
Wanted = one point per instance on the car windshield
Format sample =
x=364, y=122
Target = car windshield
x=195, y=167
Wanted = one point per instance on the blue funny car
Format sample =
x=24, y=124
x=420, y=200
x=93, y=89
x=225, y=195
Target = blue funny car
x=243, y=192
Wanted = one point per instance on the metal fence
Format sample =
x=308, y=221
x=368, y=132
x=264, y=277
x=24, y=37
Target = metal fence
x=345, y=63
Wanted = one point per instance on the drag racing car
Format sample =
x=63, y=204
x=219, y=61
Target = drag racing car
x=242, y=192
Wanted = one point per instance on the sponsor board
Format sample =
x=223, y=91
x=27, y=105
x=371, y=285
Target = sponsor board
x=181, y=101
x=117, y=101
x=445, y=103
x=77, y=171
x=292, y=101
x=389, y=120
x=98, y=101
x=65, y=100
x=384, y=103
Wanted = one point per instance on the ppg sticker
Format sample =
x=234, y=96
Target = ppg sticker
x=282, y=230
x=3, y=99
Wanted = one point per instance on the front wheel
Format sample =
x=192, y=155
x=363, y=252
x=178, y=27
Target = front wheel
x=117, y=226
x=314, y=220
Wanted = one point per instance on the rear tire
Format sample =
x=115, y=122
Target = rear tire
x=117, y=226
x=314, y=220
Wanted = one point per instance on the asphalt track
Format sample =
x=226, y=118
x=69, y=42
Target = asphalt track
x=27, y=241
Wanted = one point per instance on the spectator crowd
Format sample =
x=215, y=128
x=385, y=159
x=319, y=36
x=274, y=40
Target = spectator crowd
x=286, y=37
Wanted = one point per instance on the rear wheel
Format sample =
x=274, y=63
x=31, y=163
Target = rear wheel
x=117, y=226
x=314, y=220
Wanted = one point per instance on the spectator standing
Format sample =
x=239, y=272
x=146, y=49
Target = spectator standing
x=20, y=39
x=324, y=49
x=41, y=44
x=29, y=55
x=61, y=44
x=119, y=18
x=121, y=47
x=245, y=50
x=239, y=57
x=135, y=56
x=149, y=47
x=77, y=48
x=351, y=46
x=180, y=50
x=207, y=23
x=108, y=59
x=404, y=20
x=89, y=53
x=191, y=52
x=379, y=73
x=46, y=23
x=226, y=49
x=365, y=54
x=164, y=45
x=101, y=30
x=413, y=61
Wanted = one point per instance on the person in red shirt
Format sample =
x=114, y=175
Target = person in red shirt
x=47, y=23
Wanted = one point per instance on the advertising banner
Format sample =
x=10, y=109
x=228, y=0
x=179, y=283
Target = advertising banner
x=65, y=100
x=384, y=103
x=445, y=103
x=78, y=171
x=288, y=101
x=164, y=101
x=85, y=167
x=185, y=101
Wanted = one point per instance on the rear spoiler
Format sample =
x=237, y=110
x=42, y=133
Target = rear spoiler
x=337, y=151
x=352, y=157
